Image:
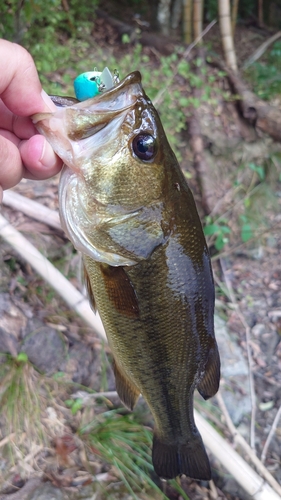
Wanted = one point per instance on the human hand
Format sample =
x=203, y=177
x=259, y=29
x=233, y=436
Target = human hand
x=23, y=152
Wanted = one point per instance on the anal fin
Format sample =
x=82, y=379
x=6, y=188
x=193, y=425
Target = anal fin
x=209, y=384
x=127, y=391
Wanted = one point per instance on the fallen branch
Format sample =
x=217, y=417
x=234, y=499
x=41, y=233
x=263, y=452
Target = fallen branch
x=258, y=113
x=261, y=50
x=63, y=287
x=161, y=43
x=32, y=208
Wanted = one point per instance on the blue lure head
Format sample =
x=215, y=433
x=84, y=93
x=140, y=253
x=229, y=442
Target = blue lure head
x=92, y=83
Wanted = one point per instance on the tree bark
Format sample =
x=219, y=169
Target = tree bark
x=234, y=15
x=187, y=21
x=197, y=17
x=163, y=16
x=226, y=34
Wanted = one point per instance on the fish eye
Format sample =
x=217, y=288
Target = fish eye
x=144, y=146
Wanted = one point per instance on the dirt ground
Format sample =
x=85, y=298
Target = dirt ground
x=34, y=320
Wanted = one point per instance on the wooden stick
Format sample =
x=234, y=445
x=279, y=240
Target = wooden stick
x=63, y=287
x=238, y=439
x=32, y=208
x=250, y=481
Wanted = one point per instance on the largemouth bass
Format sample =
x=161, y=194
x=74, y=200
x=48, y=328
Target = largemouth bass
x=126, y=206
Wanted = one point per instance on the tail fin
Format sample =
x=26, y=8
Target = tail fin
x=171, y=460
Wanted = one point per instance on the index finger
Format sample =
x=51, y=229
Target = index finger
x=20, y=87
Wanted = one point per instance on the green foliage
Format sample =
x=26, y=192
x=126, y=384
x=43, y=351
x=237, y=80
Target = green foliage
x=74, y=404
x=259, y=169
x=265, y=76
x=246, y=229
x=218, y=231
x=246, y=220
x=36, y=19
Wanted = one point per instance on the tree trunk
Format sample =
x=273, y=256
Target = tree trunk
x=226, y=34
x=234, y=15
x=163, y=16
x=260, y=13
x=176, y=14
x=187, y=21
x=197, y=17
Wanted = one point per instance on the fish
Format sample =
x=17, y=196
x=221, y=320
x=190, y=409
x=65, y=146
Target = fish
x=125, y=204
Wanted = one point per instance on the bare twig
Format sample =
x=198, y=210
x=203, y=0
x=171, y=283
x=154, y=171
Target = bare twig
x=158, y=98
x=249, y=354
x=270, y=435
x=261, y=50
x=239, y=440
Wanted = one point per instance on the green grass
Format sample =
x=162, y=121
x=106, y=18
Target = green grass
x=126, y=445
x=19, y=399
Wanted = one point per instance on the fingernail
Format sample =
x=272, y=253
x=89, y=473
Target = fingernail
x=48, y=157
x=48, y=101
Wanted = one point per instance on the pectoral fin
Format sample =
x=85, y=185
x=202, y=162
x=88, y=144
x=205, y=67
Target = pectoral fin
x=89, y=290
x=127, y=391
x=209, y=384
x=120, y=290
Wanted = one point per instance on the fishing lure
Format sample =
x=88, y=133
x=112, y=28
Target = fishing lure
x=92, y=83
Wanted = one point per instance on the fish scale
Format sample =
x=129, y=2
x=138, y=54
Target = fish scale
x=125, y=204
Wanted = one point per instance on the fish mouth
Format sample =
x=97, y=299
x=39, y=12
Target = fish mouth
x=88, y=117
x=70, y=127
